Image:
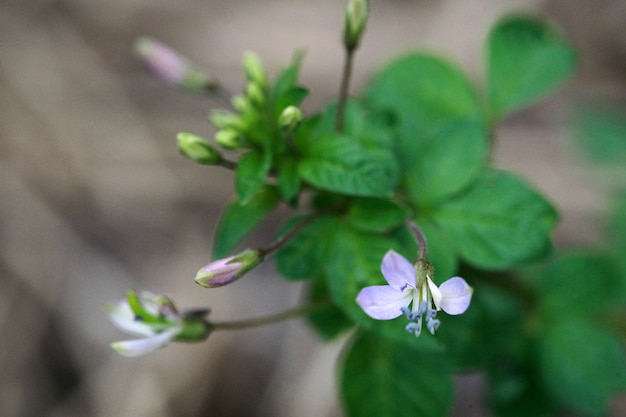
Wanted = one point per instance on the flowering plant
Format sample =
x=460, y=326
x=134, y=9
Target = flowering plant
x=403, y=172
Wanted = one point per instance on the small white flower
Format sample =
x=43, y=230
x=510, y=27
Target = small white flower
x=411, y=285
x=151, y=316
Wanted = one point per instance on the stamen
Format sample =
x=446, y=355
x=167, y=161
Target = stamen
x=407, y=313
x=414, y=328
x=432, y=325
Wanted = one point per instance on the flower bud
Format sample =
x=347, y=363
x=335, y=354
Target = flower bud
x=357, y=13
x=255, y=94
x=241, y=103
x=223, y=119
x=172, y=67
x=229, y=139
x=227, y=270
x=290, y=118
x=253, y=67
x=197, y=149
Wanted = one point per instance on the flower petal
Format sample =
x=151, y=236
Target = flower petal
x=138, y=347
x=397, y=271
x=123, y=318
x=456, y=296
x=435, y=293
x=381, y=302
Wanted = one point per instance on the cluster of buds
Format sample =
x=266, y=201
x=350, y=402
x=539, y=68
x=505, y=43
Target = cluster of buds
x=234, y=129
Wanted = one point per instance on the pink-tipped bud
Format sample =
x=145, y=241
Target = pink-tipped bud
x=224, y=271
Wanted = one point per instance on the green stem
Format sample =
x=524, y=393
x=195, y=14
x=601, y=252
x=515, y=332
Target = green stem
x=272, y=318
x=290, y=235
x=343, y=90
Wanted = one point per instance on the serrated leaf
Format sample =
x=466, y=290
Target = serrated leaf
x=252, y=169
x=341, y=164
x=375, y=215
x=497, y=223
x=526, y=59
x=380, y=377
x=582, y=365
x=240, y=219
x=442, y=143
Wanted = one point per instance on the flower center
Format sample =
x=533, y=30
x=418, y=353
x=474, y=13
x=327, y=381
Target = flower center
x=422, y=308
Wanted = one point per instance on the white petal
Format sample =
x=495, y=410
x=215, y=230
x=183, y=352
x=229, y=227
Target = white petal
x=457, y=295
x=381, y=302
x=123, y=318
x=434, y=293
x=138, y=347
x=397, y=271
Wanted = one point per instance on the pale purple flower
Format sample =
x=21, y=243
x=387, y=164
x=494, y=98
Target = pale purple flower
x=411, y=285
x=150, y=316
x=224, y=271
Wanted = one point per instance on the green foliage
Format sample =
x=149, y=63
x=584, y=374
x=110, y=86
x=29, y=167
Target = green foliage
x=582, y=365
x=526, y=59
x=441, y=138
x=240, y=219
x=497, y=223
x=381, y=377
x=416, y=146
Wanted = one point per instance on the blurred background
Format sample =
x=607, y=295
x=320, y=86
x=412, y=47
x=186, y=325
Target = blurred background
x=95, y=199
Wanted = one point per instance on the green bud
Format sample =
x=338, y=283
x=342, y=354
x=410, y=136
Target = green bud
x=357, y=13
x=241, y=103
x=197, y=149
x=253, y=67
x=223, y=119
x=229, y=139
x=255, y=94
x=290, y=118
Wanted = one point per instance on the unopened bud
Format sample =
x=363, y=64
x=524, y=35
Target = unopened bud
x=253, y=67
x=172, y=67
x=197, y=149
x=255, y=94
x=290, y=118
x=357, y=13
x=241, y=103
x=229, y=139
x=223, y=119
x=227, y=270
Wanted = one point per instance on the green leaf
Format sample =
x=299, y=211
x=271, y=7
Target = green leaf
x=304, y=256
x=375, y=215
x=601, y=133
x=442, y=143
x=380, y=377
x=252, y=169
x=240, y=219
x=526, y=59
x=573, y=280
x=339, y=163
x=498, y=223
x=329, y=322
x=288, y=179
x=582, y=365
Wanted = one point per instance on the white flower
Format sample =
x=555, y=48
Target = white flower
x=151, y=316
x=411, y=285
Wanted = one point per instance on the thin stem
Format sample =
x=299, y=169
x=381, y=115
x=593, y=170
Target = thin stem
x=283, y=240
x=343, y=90
x=271, y=318
x=422, y=254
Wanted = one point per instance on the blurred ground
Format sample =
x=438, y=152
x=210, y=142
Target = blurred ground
x=95, y=198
